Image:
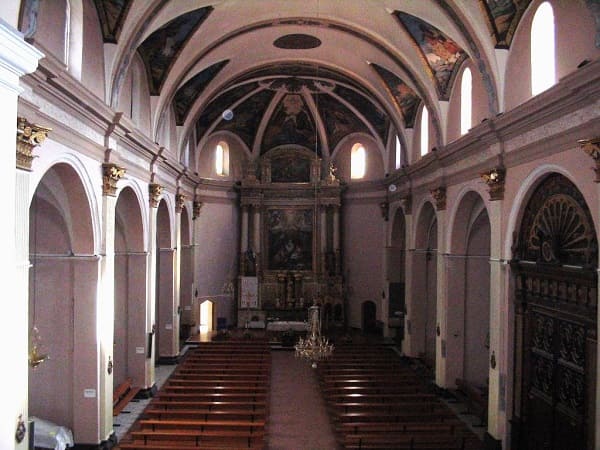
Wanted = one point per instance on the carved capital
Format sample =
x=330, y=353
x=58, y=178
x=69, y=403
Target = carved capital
x=494, y=178
x=155, y=193
x=196, y=209
x=179, y=202
x=439, y=195
x=29, y=136
x=111, y=174
x=385, y=210
x=592, y=148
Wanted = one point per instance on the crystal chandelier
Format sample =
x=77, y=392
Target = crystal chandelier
x=314, y=347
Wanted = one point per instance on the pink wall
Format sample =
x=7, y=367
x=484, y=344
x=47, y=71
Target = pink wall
x=362, y=253
x=92, y=71
x=52, y=17
x=217, y=253
x=374, y=169
x=206, y=157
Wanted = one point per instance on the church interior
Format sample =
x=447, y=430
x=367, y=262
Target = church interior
x=404, y=193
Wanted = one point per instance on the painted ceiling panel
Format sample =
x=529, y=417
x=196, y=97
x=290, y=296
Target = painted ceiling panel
x=218, y=106
x=441, y=54
x=291, y=123
x=504, y=16
x=189, y=92
x=374, y=115
x=406, y=99
x=339, y=120
x=112, y=14
x=245, y=120
x=162, y=47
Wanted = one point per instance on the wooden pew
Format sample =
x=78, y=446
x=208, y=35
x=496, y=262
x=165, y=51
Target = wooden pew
x=122, y=395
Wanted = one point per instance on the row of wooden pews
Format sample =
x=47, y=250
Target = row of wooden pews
x=377, y=401
x=217, y=398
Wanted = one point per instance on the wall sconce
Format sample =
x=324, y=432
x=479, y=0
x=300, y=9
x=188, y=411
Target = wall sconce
x=35, y=356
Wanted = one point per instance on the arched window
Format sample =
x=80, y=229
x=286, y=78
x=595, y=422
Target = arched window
x=543, y=67
x=424, y=131
x=398, y=152
x=358, y=161
x=466, y=101
x=222, y=159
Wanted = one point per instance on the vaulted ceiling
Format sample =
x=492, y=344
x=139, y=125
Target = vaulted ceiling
x=336, y=67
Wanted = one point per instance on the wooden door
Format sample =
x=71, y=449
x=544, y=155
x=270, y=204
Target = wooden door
x=555, y=322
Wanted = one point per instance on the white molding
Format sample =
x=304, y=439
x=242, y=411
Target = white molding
x=17, y=57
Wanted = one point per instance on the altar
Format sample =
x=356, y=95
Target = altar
x=290, y=239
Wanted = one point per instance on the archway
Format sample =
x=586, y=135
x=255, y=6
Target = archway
x=130, y=292
x=63, y=286
x=369, y=317
x=396, y=269
x=206, y=316
x=423, y=315
x=555, y=266
x=186, y=280
x=166, y=344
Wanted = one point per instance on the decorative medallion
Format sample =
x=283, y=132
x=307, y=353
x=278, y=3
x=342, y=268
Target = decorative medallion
x=111, y=174
x=495, y=178
x=29, y=136
x=557, y=227
x=155, y=193
x=179, y=202
x=297, y=41
x=439, y=195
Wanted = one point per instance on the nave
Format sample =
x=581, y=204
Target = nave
x=241, y=394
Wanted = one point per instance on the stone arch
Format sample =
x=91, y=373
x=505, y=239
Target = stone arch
x=396, y=274
x=130, y=311
x=469, y=291
x=422, y=309
x=63, y=287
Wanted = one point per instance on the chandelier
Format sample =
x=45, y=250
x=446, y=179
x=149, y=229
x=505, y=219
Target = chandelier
x=314, y=347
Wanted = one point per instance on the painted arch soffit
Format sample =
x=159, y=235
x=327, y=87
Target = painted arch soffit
x=160, y=50
x=441, y=56
x=112, y=14
x=503, y=17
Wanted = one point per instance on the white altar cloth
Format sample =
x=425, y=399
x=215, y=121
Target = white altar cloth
x=284, y=325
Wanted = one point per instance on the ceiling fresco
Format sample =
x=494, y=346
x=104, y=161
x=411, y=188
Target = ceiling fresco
x=111, y=14
x=378, y=119
x=291, y=123
x=217, y=107
x=339, y=121
x=162, y=47
x=406, y=99
x=189, y=92
x=245, y=121
x=503, y=18
x=441, y=54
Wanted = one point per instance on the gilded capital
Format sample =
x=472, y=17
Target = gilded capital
x=29, y=136
x=439, y=195
x=494, y=178
x=592, y=148
x=385, y=210
x=196, y=209
x=155, y=193
x=111, y=174
x=179, y=202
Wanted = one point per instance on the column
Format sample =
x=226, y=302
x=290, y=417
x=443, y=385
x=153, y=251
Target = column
x=408, y=343
x=244, y=240
x=323, y=238
x=177, y=308
x=17, y=58
x=151, y=274
x=256, y=238
x=441, y=305
x=197, y=207
x=336, y=240
x=498, y=309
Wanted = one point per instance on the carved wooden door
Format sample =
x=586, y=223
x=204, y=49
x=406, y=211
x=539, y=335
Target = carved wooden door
x=555, y=322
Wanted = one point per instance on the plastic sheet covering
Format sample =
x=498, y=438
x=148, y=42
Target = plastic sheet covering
x=51, y=435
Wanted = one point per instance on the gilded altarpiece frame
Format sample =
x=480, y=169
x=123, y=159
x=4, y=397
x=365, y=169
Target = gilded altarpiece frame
x=291, y=240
